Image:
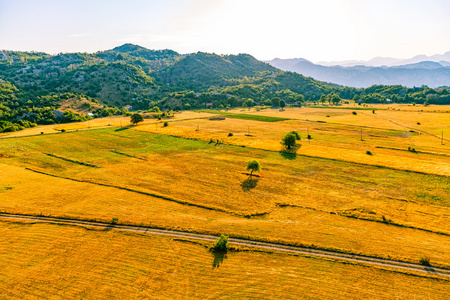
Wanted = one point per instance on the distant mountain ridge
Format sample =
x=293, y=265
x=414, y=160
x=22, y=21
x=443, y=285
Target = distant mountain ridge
x=389, y=61
x=414, y=72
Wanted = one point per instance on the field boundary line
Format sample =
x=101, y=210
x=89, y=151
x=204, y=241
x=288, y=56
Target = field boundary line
x=309, y=155
x=152, y=194
x=368, y=260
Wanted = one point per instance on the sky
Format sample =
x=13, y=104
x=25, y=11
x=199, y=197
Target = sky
x=318, y=30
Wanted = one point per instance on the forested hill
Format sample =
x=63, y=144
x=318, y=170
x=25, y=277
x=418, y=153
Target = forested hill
x=34, y=84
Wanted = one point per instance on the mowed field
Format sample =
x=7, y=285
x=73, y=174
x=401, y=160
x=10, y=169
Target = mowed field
x=330, y=195
x=50, y=261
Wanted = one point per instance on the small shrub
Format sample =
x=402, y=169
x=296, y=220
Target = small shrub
x=221, y=244
x=42, y=132
x=425, y=261
x=328, y=116
x=368, y=152
x=230, y=134
x=166, y=124
x=114, y=220
x=418, y=123
x=309, y=137
x=354, y=113
x=63, y=130
x=386, y=220
x=373, y=111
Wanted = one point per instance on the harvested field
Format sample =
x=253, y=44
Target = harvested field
x=191, y=176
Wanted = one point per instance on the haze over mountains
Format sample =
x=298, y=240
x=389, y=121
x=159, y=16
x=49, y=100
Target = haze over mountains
x=433, y=71
x=390, y=61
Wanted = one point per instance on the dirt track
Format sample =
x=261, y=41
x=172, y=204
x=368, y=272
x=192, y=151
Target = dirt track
x=392, y=264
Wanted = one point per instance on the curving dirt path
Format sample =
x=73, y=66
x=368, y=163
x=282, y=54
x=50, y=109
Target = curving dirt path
x=399, y=265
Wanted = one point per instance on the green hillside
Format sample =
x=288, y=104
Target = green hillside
x=35, y=82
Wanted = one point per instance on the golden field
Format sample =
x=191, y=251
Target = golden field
x=50, y=261
x=330, y=195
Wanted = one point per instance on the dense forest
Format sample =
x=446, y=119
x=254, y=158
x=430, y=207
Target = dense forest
x=34, y=85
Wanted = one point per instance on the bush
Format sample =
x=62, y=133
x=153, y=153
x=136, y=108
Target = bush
x=354, y=113
x=368, y=152
x=63, y=130
x=166, y=124
x=114, y=220
x=412, y=150
x=425, y=261
x=221, y=244
x=230, y=134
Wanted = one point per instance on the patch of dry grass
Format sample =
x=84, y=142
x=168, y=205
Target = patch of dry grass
x=326, y=202
x=49, y=261
x=321, y=192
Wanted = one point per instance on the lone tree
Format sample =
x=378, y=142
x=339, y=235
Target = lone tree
x=282, y=104
x=289, y=141
x=136, y=118
x=221, y=244
x=253, y=166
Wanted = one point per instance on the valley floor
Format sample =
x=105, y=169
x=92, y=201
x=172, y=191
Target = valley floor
x=190, y=176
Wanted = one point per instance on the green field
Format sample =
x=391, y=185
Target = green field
x=245, y=116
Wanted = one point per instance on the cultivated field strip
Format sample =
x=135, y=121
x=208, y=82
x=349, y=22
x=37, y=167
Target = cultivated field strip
x=113, y=264
x=244, y=242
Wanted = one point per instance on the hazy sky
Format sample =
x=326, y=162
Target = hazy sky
x=316, y=29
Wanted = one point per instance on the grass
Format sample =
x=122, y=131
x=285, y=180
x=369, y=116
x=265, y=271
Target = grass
x=344, y=107
x=339, y=138
x=330, y=194
x=245, y=116
x=168, y=190
x=52, y=261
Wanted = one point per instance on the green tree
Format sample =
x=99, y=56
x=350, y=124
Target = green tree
x=276, y=101
x=323, y=99
x=289, y=141
x=253, y=166
x=136, y=118
x=221, y=244
x=296, y=134
x=282, y=104
x=299, y=98
x=244, y=105
x=335, y=99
